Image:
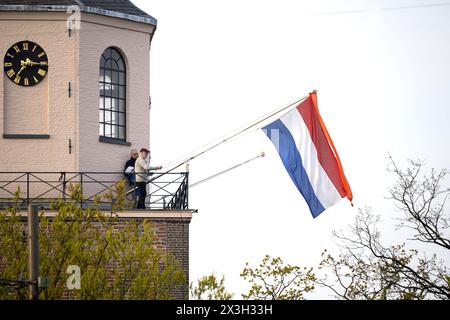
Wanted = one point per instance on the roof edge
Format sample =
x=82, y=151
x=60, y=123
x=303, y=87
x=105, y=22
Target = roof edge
x=55, y=8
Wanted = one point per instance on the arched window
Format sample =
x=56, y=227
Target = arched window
x=112, y=117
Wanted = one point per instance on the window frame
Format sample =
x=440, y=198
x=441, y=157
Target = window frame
x=113, y=74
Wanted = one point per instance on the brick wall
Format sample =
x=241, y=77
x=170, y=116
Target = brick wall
x=171, y=230
x=173, y=236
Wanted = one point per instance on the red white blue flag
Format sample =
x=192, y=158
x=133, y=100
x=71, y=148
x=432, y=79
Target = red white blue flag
x=309, y=156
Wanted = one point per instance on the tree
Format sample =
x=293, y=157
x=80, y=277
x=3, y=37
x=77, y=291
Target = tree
x=209, y=288
x=13, y=256
x=273, y=280
x=368, y=269
x=115, y=263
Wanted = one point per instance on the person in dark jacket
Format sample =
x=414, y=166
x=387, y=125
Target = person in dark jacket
x=128, y=171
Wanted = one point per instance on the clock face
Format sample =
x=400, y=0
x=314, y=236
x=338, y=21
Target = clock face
x=26, y=63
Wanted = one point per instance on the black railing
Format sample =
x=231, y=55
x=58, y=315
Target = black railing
x=165, y=190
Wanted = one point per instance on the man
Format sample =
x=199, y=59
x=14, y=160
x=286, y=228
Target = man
x=141, y=168
x=128, y=172
x=129, y=167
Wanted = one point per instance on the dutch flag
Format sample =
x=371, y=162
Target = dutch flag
x=309, y=156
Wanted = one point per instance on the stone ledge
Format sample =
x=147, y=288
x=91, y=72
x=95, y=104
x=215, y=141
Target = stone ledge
x=26, y=136
x=114, y=141
x=139, y=214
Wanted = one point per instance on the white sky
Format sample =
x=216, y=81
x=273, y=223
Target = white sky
x=383, y=79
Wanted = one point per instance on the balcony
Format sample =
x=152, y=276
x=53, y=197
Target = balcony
x=165, y=190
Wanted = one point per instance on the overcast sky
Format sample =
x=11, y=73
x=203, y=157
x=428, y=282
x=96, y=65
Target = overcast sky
x=382, y=73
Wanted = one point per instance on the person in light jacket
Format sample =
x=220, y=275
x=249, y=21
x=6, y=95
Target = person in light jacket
x=141, y=169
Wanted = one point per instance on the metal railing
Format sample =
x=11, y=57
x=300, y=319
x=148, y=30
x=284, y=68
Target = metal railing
x=165, y=190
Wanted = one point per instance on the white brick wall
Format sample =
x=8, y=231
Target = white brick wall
x=42, y=109
x=98, y=33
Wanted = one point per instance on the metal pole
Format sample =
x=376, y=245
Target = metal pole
x=229, y=137
x=187, y=186
x=64, y=185
x=81, y=188
x=261, y=155
x=33, y=251
x=28, y=188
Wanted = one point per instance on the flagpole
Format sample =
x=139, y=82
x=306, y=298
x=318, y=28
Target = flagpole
x=226, y=138
x=261, y=155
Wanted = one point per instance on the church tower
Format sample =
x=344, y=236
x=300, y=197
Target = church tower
x=74, y=94
x=74, y=100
